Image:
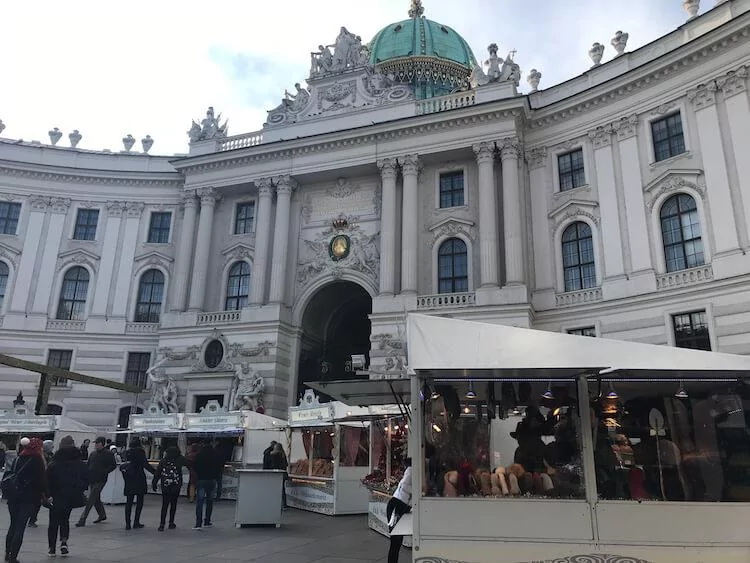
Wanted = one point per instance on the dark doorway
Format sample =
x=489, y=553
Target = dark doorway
x=202, y=400
x=335, y=326
x=123, y=420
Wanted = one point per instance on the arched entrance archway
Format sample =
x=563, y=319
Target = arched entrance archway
x=335, y=325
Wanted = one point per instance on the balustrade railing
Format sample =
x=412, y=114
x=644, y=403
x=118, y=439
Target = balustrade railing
x=446, y=300
x=445, y=103
x=58, y=325
x=570, y=298
x=241, y=141
x=684, y=277
x=218, y=318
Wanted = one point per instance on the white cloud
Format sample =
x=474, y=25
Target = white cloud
x=109, y=69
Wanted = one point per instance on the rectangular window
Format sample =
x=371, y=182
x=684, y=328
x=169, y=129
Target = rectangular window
x=138, y=363
x=158, y=229
x=691, y=330
x=86, y=222
x=9, y=214
x=59, y=359
x=243, y=222
x=570, y=170
x=667, y=136
x=451, y=189
x=583, y=331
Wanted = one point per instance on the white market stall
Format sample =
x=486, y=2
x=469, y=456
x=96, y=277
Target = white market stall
x=329, y=457
x=21, y=421
x=595, y=446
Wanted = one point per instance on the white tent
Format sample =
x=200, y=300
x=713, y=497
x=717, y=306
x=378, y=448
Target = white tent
x=260, y=429
x=68, y=427
x=450, y=347
x=257, y=421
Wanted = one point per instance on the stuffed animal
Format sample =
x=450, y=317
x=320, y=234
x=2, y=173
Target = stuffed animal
x=450, y=488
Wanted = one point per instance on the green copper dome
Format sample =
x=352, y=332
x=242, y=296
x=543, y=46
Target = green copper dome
x=432, y=57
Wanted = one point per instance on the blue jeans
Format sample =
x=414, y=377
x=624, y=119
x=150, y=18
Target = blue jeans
x=205, y=493
x=20, y=512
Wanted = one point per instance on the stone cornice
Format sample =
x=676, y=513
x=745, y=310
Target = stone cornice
x=90, y=177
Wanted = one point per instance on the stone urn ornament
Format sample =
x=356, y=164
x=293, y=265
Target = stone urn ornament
x=54, y=135
x=75, y=138
x=533, y=79
x=596, y=53
x=128, y=141
x=691, y=7
x=619, y=42
x=147, y=142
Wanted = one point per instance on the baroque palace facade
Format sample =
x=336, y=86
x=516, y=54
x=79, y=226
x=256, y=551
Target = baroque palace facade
x=405, y=177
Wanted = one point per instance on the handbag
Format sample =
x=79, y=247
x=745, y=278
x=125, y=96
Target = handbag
x=10, y=485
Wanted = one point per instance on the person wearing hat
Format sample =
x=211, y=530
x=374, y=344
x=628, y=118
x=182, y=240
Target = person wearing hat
x=30, y=488
x=67, y=479
x=101, y=463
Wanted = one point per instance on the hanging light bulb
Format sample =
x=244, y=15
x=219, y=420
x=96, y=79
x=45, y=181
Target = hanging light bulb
x=435, y=395
x=681, y=392
x=612, y=393
x=436, y=428
x=466, y=410
x=548, y=393
x=470, y=393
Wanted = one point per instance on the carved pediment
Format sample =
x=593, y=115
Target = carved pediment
x=238, y=251
x=572, y=209
x=451, y=226
x=78, y=256
x=154, y=258
x=673, y=181
x=10, y=254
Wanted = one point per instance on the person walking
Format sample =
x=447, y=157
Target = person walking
x=67, y=480
x=398, y=505
x=85, y=450
x=169, y=473
x=47, y=453
x=101, y=463
x=208, y=467
x=193, y=477
x=277, y=460
x=23, y=489
x=135, y=481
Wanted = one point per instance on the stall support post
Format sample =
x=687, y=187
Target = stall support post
x=416, y=452
x=587, y=451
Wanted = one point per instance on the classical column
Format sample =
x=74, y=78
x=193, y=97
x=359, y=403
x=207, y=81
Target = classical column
x=208, y=197
x=46, y=276
x=539, y=188
x=114, y=211
x=31, y=241
x=509, y=153
x=409, y=223
x=262, y=236
x=632, y=184
x=133, y=211
x=614, y=265
x=388, y=173
x=285, y=185
x=184, y=252
x=485, y=154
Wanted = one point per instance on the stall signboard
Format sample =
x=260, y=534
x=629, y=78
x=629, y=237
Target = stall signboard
x=160, y=422
x=315, y=496
x=300, y=416
x=12, y=424
x=213, y=422
x=384, y=410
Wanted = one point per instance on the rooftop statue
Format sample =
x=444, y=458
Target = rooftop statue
x=348, y=53
x=498, y=70
x=210, y=128
x=296, y=102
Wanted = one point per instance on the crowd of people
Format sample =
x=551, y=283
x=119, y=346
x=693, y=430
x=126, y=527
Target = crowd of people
x=72, y=478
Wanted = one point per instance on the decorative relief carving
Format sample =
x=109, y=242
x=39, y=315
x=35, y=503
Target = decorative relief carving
x=210, y=128
x=537, y=157
x=53, y=204
x=450, y=227
x=410, y=165
x=200, y=363
x=510, y=147
x=733, y=82
x=208, y=196
x=134, y=208
x=189, y=200
x=345, y=198
x=260, y=349
x=78, y=257
x=673, y=182
x=191, y=353
x=285, y=184
x=484, y=151
x=664, y=108
x=10, y=254
x=395, y=351
x=574, y=209
x=703, y=95
x=626, y=127
x=153, y=259
x=115, y=208
x=387, y=167
x=265, y=186
x=601, y=136
x=343, y=188
x=238, y=251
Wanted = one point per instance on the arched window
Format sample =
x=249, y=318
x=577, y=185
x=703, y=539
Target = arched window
x=579, y=271
x=453, y=266
x=4, y=274
x=150, y=295
x=238, y=286
x=681, y=233
x=75, y=287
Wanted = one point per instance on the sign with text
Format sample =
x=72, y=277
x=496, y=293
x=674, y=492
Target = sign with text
x=164, y=422
x=298, y=416
x=29, y=424
x=222, y=421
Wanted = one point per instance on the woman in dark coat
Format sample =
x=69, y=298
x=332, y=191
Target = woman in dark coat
x=67, y=479
x=135, y=481
x=31, y=488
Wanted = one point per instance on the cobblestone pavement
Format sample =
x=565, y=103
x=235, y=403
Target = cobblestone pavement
x=303, y=538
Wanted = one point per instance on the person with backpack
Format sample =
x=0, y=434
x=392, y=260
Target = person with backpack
x=23, y=486
x=133, y=469
x=169, y=473
x=67, y=480
x=101, y=463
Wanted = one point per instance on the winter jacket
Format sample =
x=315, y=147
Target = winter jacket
x=208, y=465
x=32, y=484
x=179, y=463
x=101, y=464
x=2, y=460
x=135, y=478
x=277, y=461
x=67, y=477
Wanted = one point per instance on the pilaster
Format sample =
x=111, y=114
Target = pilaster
x=46, y=275
x=184, y=252
x=32, y=238
x=285, y=185
x=510, y=152
x=208, y=197
x=410, y=167
x=543, y=253
x=488, y=248
x=133, y=211
x=388, y=172
x=262, y=239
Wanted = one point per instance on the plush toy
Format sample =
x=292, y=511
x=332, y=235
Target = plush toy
x=450, y=488
x=485, y=482
x=500, y=482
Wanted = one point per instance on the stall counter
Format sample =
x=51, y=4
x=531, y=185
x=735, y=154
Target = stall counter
x=259, y=497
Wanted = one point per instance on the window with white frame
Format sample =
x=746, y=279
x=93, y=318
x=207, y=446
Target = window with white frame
x=59, y=359
x=75, y=287
x=452, y=189
x=453, y=266
x=668, y=137
x=583, y=331
x=9, y=214
x=244, y=218
x=238, y=286
x=579, y=270
x=138, y=364
x=4, y=275
x=86, y=222
x=570, y=170
x=150, y=296
x=158, y=229
x=691, y=330
x=681, y=233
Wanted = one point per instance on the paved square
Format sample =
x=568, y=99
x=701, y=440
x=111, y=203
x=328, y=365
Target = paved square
x=304, y=537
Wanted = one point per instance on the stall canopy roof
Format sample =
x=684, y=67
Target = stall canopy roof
x=450, y=348
x=365, y=392
x=65, y=424
x=257, y=421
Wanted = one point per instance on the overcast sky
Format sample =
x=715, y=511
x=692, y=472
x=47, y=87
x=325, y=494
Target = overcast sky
x=138, y=67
